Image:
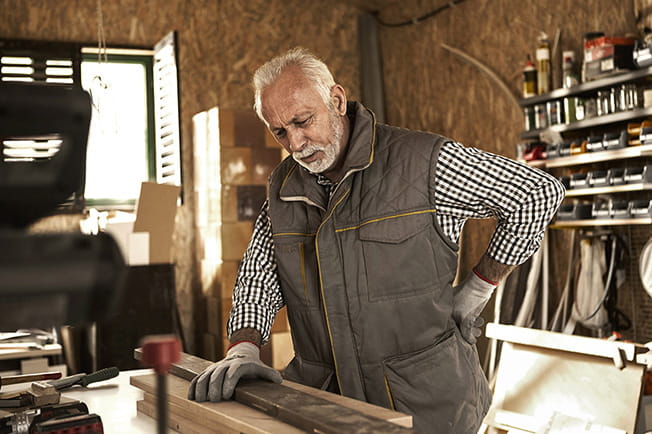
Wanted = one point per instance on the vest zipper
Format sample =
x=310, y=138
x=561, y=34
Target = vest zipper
x=321, y=290
x=303, y=273
x=389, y=392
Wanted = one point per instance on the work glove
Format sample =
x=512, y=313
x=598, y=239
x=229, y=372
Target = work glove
x=468, y=302
x=218, y=381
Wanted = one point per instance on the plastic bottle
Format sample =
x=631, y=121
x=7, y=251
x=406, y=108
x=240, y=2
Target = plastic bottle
x=569, y=75
x=529, y=78
x=543, y=64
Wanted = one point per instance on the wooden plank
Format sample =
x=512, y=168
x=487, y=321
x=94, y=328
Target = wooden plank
x=175, y=423
x=560, y=341
x=303, y=406
x=227, y=415
x=401, y=419
x=181, y=420
x=538, y=382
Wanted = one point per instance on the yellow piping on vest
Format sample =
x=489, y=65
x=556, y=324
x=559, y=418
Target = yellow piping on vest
x=425, y=211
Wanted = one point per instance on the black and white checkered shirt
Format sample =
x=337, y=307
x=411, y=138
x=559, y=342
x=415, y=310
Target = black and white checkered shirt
x=469, y=184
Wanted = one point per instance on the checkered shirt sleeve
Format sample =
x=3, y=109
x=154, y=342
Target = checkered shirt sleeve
x=470, y=183
x=257, y=295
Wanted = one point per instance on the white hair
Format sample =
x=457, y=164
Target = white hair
x=312, y=67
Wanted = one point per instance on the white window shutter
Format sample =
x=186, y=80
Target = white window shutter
x=166, y=112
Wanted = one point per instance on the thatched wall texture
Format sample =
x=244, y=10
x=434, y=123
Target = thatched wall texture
x=426, y=86
x=221, y=42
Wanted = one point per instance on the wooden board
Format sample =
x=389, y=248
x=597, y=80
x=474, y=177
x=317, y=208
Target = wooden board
x=187, y=421
x=325, y=415
x=293, y=394
x=534, y=382
x=227, y=415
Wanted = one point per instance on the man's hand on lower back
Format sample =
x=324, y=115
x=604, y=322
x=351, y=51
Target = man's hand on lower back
x=468, y=302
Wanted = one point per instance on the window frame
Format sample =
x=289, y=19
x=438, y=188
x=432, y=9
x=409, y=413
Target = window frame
x=136, y=56
x=161, y=154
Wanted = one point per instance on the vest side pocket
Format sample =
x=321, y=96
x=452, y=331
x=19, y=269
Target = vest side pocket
x=296, y=274
x=436, y=385
x=311, y=374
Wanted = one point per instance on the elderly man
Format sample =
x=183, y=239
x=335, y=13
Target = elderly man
x=358, y=237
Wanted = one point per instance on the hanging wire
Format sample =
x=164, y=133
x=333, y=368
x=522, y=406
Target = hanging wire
x=98, y=85
x=417, y=20
x=101, y=39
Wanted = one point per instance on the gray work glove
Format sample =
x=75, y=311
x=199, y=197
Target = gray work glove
x=468, y=302
x=218, y=381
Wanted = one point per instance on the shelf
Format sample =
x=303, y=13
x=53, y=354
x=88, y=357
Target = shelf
x=600, y=222
x=605, y=190
x=596, y=157
x=588, y=87
x=541, y=164
x=591, y=122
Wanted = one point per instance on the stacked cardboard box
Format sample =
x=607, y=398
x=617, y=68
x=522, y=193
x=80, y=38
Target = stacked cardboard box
x=233, y=157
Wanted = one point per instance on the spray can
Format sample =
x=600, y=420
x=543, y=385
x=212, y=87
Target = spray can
x=543, y=64
x=529, y=78
x=569, y=76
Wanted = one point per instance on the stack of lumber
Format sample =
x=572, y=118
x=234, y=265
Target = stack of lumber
x=264, y=407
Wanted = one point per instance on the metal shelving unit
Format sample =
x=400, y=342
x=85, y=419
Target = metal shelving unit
x=589, y=87
x=592, y=122
x=593, y=157
x=601, y=222
x=586, y=158
x=606, y=190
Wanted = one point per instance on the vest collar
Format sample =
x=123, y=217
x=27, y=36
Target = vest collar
x=301, y=185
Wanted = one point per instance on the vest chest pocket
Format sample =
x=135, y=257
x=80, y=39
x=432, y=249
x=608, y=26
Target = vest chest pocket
x=399, y=256
x=296, y=270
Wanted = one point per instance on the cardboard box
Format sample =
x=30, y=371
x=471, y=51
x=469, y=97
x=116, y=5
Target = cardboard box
x=236, y=165
x=228, y=275
x=156, y=214
x=248, y=129
x=281, y=321
x=235, y=239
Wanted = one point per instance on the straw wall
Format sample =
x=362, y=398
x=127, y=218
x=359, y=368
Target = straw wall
x=220, y=45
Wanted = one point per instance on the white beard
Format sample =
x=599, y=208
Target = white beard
x=330, y=151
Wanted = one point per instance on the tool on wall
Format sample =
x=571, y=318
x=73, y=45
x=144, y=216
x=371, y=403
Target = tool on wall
x=602, y=272
x=645, y=266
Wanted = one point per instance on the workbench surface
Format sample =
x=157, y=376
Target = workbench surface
x=115, y=401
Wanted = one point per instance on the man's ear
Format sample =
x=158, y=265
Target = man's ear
x=338, y=95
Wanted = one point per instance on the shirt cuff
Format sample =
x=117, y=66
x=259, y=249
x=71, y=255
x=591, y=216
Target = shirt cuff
x=510, y=249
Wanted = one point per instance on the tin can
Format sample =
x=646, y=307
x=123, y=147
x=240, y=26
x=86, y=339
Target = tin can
x=528, y=114
x=540, y=116
x=555, y=114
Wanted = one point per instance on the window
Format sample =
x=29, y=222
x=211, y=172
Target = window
x=134, y=134
x=121, y=137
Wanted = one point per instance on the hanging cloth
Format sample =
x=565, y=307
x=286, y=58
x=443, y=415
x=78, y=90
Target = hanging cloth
x=588, y=309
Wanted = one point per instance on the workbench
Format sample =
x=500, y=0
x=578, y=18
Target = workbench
x=115, y=402
x=22, y=358
x=118, y=403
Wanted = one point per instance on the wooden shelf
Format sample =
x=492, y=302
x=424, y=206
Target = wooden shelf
x=607, y=190
x=541, y=164
x=588, y=87
x=600, y=222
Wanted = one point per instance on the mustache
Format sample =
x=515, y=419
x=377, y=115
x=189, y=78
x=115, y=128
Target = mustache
x=307, y=151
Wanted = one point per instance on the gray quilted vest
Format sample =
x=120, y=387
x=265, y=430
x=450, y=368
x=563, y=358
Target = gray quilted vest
x=366, y=276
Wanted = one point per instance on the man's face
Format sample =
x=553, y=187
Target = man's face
x=309, y=129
